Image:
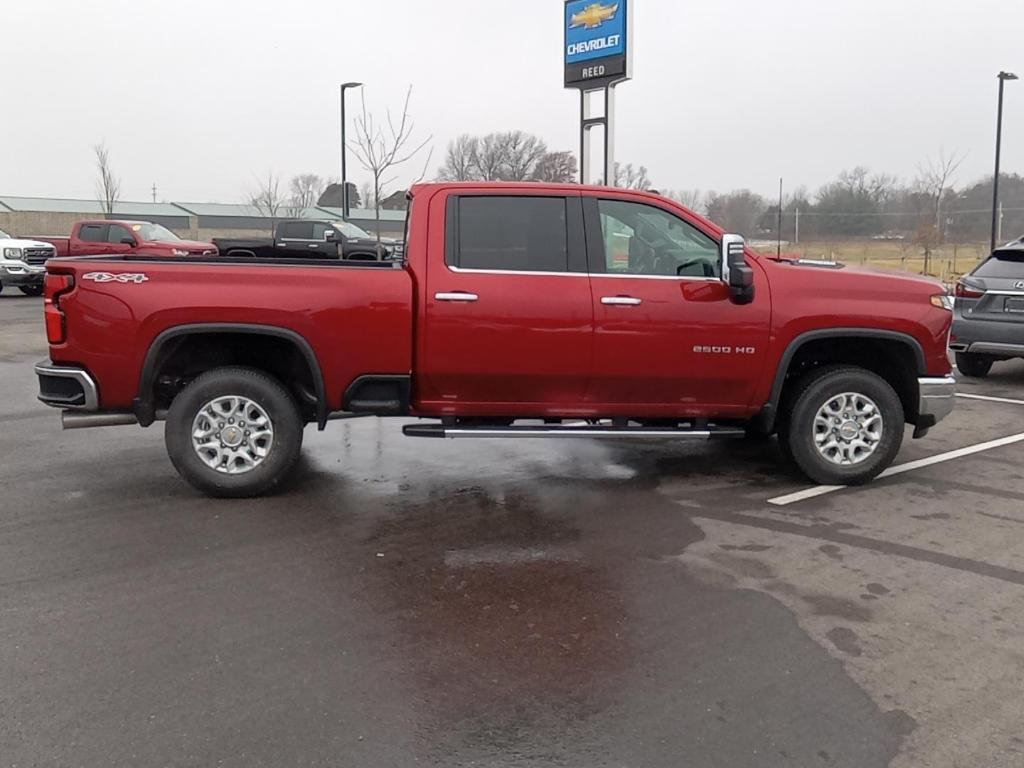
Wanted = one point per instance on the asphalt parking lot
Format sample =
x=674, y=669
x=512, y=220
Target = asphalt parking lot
x=507, y=603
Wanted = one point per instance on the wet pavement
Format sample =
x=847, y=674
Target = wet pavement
x=504, y=603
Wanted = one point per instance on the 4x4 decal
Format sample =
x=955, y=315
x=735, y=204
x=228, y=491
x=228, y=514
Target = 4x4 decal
x=120, y=277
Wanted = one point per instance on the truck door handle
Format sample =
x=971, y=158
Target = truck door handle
x=313, y=245
x=621, y=301
x=456, y=296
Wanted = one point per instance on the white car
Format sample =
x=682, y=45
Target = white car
x=21, y=263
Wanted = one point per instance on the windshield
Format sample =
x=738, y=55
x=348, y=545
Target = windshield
x=153, y=232
x=348, y=229
x=5, y=236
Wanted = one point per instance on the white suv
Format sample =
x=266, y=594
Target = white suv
x=21, y=263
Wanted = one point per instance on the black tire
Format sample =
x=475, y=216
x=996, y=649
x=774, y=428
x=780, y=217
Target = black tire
x=973, y=366
x=31, y=290
x=797, y=430
x=267, y=394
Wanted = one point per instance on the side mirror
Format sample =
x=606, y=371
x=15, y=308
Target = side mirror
x=736, y=273
x=330, y=235
x=128, y=241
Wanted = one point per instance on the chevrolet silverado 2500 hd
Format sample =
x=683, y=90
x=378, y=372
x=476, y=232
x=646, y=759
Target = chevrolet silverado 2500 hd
x=519, y=310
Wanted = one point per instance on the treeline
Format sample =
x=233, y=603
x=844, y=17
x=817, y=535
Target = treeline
x=861, y=204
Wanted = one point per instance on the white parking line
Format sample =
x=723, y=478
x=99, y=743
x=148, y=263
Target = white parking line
x=821, y=490
x=990, y=399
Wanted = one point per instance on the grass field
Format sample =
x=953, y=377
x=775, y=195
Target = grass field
x=947, y=262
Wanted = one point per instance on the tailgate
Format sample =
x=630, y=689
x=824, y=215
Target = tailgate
x=1001, y=306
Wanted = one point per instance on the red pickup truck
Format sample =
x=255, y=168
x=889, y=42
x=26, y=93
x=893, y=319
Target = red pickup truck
x=519, y=310
x=101, y=237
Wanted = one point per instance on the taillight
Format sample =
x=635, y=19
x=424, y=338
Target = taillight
x=963, y=291
x=54, y=285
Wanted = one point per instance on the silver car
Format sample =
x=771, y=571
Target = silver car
x=988, y=320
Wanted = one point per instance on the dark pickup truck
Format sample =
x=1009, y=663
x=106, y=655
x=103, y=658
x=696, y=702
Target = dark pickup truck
x=305, y=238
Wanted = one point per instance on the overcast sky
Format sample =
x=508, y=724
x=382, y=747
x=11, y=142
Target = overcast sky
x=203, y=97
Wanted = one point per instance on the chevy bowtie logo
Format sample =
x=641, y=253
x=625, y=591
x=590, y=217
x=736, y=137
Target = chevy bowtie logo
x=593, y=16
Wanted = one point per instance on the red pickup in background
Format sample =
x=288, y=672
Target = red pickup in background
x=101, y=237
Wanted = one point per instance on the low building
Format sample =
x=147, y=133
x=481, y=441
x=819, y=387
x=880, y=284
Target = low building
x=26, y=216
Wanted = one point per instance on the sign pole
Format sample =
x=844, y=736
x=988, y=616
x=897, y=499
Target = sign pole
x=597, y=54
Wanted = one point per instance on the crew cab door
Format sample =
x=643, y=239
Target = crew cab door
x=116, y=239
x=90, y=239
x=507, y=318
x=668, y=337
x=295, y=240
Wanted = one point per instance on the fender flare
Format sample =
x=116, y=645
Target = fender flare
x=771, y=408
x=160, y=349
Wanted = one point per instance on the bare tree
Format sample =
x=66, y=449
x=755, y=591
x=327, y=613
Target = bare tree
x=460, y=159
x=628, y=177
x=935, y=179
x=737, y=211
x=268, y=198
x=522, y=153
x=490, y=158
x=556, y=167
x=305, y=190
x=366, y=195
x=379, y=150
x=691, y=198
x=108, y=186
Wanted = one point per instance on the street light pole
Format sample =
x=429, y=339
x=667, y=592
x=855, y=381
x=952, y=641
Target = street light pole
x=1003, y=77
x=344, y=177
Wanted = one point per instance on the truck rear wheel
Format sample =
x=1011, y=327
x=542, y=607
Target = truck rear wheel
x=233, y=432
x=844, y=425
x=32, y=290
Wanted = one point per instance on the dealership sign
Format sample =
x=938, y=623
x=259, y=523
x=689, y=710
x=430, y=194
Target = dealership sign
x=597, y=49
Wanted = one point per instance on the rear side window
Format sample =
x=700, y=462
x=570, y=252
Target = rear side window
x=524, y=234
x=92, y=233
x=297, y=230
x=1007, y=264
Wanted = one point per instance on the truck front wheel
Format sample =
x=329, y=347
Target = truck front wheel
x=973, y=366
x=844, y=425
x=233, y=432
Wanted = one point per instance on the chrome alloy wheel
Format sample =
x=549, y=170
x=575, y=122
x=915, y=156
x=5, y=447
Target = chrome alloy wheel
x=232, y=434
x=848, y=428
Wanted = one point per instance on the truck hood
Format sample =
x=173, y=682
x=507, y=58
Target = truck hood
x=19, y=243
x=837, y=272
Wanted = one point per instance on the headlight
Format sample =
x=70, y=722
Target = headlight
x=12, y=253
x=943, y=301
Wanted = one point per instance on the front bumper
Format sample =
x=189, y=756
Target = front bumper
x=66, y=387
x=936, y=398
x=19, y=276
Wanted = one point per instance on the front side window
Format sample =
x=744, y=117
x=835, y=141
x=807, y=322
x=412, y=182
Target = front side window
x=320, y=231
x=117, y=233
x=5, y=236
x=642, y=239
x=521, y=234
x=92, y=233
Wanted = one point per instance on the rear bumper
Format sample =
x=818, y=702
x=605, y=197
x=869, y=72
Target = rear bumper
x=987, y=337
x=67, y=387
x=936, y=398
